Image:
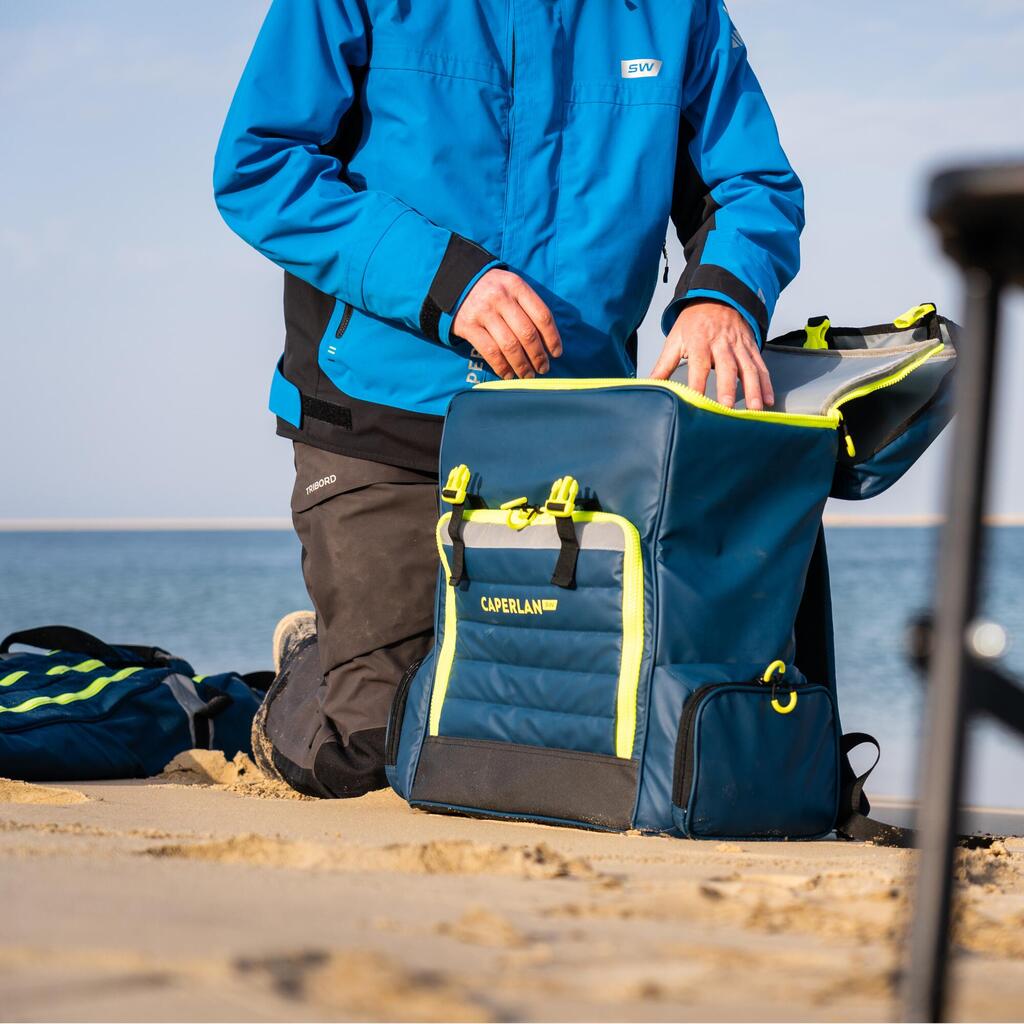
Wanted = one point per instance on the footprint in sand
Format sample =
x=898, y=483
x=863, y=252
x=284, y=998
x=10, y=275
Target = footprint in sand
x=14, y=792
x=367, y=985
x=454, y=857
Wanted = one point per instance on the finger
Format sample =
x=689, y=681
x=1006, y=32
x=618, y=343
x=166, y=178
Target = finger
x=489, y=351
x=527, y=333
x=668, y=361
x=510, y=347
x=541, y=316
x=699, y=363
x=767, y=391
x=752, y=395
x=725, y=375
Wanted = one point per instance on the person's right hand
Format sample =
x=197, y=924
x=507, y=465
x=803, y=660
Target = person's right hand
x=506, y=321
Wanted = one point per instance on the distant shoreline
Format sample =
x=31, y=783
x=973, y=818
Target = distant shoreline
x=157, y=525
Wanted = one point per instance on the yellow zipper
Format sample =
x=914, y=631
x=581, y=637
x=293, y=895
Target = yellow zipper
x=833, y=418
x=632, y=653
x=682, y=391
x=877, y=385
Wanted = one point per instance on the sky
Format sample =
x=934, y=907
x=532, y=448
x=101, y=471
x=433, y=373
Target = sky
x=138, y=335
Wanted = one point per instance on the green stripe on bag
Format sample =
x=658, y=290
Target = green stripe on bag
x=95, y=687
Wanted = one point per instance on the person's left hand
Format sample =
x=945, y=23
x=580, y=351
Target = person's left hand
x=708, y=335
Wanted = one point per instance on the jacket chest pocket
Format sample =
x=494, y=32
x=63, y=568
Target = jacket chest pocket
x=526, y=661
x=615, y=183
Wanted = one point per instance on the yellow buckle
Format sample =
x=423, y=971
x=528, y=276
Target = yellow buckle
x=775, y=666
x=454, y=490
x=562, y=500
x=817, y=332
x=912, y=316
x=519, y=515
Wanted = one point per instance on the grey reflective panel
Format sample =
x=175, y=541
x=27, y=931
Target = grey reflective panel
x=600, y=536
x=813, y=380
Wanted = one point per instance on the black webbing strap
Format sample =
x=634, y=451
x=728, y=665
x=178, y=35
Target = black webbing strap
x=201, y=719
x=857, y=825
x=456, y=524
x=461, y=262
x=565, y=568
x=854, y=822
x=260, y=680
x=77, y=641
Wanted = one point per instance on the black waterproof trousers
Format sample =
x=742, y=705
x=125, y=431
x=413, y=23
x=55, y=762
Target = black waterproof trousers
x=370, y=564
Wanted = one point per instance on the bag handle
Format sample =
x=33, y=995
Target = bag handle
x=67, y=638
x=561, y=503
x=454, y=493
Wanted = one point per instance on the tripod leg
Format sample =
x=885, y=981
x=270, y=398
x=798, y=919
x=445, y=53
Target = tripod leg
x=942, y=760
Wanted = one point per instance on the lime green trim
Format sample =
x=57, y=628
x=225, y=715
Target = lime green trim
x=12, y=677
x=95, y=687
x=829, y=421
x=83, y=666
x=885, y=382
x=817, y=334
x=912, y=316
x=632, y=619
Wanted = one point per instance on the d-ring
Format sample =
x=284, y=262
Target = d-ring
x=784, y=709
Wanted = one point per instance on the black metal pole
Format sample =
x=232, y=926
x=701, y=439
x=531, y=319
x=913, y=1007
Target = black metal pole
x=941, y=772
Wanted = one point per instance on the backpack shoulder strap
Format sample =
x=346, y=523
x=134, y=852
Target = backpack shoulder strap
x=854, y=806
x=67, y=638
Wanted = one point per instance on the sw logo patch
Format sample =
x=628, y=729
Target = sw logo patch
x=641, y=67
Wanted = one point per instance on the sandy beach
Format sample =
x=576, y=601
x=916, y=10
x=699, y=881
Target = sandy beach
x=211, y=894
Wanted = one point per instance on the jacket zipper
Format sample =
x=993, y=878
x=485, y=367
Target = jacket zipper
x=511, y=131
x=343, y=323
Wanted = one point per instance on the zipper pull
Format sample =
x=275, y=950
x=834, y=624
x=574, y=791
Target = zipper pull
x=851, y=449
x=664, y=252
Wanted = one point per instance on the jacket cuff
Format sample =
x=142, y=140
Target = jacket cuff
x=398, y=271
x=447, y=319
x=460, y=267
x=711, y=282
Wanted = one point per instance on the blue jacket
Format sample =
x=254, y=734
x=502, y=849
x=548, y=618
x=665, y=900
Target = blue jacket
x=387, y=154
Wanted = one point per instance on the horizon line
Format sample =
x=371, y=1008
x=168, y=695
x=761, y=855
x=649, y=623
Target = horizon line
x=142, y=524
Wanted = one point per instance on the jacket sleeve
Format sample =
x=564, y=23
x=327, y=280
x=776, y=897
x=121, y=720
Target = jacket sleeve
x=737, y=203
x=277, y=188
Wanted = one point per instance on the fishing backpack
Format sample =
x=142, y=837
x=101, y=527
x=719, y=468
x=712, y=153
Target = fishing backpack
x=85, y=709
x=633, y=623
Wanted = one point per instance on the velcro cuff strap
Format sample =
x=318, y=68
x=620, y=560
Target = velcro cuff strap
x=461, y=262
x=708, y=277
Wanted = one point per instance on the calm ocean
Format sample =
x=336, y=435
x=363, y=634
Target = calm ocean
x=214, y=598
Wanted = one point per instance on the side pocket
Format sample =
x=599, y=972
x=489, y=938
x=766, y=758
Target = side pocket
x=407, y=725
x=397, y=715
x=757, y=762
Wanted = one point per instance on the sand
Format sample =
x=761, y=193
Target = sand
x=212, y=893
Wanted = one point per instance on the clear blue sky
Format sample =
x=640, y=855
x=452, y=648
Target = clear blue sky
x=138, y=335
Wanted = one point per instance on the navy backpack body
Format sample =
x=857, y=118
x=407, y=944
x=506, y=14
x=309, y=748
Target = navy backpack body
x=633, y=625
x=84, y=709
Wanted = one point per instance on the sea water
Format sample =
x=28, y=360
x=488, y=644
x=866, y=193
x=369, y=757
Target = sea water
x=214, y=597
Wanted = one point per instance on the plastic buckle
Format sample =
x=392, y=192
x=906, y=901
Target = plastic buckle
x=914, y=316
x=816, y=332
x=519, y=513
x=562, y=501
x=455, y=488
